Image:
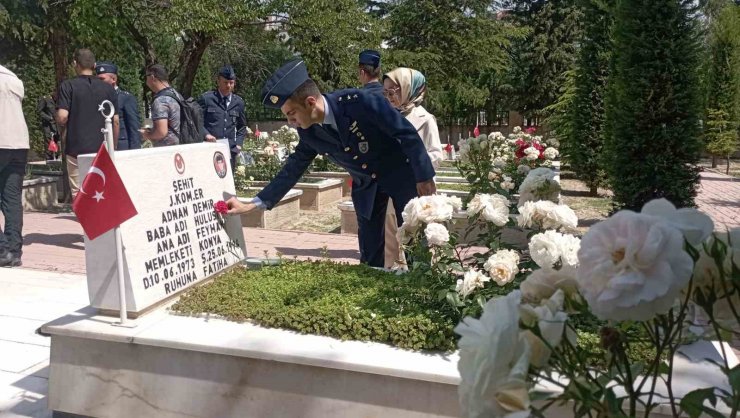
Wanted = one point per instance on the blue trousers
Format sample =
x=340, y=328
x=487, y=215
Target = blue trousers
x=371, y=231
x=12, y=171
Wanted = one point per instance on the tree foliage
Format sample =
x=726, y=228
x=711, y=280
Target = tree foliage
x=585, y=143
x=652, y=104
x=461, y=46
x=541, y=59
x=723, y=83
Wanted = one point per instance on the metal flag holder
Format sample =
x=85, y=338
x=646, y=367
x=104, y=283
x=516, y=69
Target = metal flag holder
x=108, y=132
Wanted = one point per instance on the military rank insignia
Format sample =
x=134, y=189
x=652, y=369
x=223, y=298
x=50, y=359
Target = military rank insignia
x=364, y=147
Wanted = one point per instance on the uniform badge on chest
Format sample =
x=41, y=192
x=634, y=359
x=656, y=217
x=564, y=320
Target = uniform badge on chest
x=364, y=147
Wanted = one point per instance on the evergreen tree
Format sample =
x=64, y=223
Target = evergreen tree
x=652, y=105
x=542, y=58
x=584, y=145
x=723, y=92
x=461, y=46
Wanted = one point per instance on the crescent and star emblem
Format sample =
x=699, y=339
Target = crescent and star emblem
x=98, y=194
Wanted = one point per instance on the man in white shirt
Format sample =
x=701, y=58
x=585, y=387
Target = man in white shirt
x=14, y=145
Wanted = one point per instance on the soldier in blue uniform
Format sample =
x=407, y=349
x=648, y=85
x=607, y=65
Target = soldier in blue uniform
x=357, y=130
x=129, y=136
x=368, y=71
x=223, y=113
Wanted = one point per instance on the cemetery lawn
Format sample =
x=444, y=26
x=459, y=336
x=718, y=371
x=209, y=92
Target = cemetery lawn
x=352, y=302
x=460, y=187
x=349, y=302
x=589, y=209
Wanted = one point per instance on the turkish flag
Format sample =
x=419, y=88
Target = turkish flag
x=476, y=131
x=53, y=146
x=102, y=202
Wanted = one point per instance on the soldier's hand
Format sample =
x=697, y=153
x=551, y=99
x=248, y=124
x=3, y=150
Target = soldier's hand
x=426, y=188
x=210, y=138
x=236, y=207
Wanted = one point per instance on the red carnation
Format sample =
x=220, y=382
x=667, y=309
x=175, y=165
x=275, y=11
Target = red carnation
x=221, y=207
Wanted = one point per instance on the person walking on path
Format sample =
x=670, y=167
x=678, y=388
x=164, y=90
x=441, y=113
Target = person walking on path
x=77, y=112
x=14, y=145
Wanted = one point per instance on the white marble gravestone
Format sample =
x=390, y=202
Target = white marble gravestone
x=176, y=240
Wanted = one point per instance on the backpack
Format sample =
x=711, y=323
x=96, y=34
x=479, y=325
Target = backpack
x=191, y=118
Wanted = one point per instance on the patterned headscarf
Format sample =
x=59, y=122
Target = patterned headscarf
x=413, y=86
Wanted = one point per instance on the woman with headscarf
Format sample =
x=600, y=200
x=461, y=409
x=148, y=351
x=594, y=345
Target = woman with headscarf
x=405, y=89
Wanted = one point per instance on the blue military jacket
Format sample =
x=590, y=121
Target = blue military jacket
x=374, y=87
x=378, y=147
x=223, y=122
x=128, y=119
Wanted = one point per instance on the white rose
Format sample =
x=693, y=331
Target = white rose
x=251, y=178
x=293, y=144
x=269, y=150
x=695, y=226
x=632, y=267
x=551, y=153
x=545, y=214
x=264, y=135
x=543, y=283
x=410, y=214
x=494, y=362
x=492, y=176
x=473, y=279
x=517, y=129
x=241, y=170
x=436, y=234
x=435, y=208
x=561, y=217
x=553, y=142
x=544, y=248
x=455, y=201
x=540, y=184
x=502, y=266
x=493, y=208
x=499, y=162
x=550, y=319
x=523, y=169
x=508, y=183
x=532, y=151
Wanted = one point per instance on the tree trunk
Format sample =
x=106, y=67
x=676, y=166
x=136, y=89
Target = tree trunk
x=58, y=42
x=593, y=190
x=727, y=170
x=714, y=161
x=147, y=50
x=195, y=45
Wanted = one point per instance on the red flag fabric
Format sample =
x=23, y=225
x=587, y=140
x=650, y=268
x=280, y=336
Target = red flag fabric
x=102, y=202
x=257, y=132
x=476, y=131
x=53, y=146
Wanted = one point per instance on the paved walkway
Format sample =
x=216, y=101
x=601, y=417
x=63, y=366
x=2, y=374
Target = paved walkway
x=719, y=197
x=30, y=298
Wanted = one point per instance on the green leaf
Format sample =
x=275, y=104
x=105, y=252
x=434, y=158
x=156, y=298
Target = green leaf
x=734, y=378
x=693, y=403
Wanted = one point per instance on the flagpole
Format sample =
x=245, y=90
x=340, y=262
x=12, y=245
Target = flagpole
x=117, y=230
